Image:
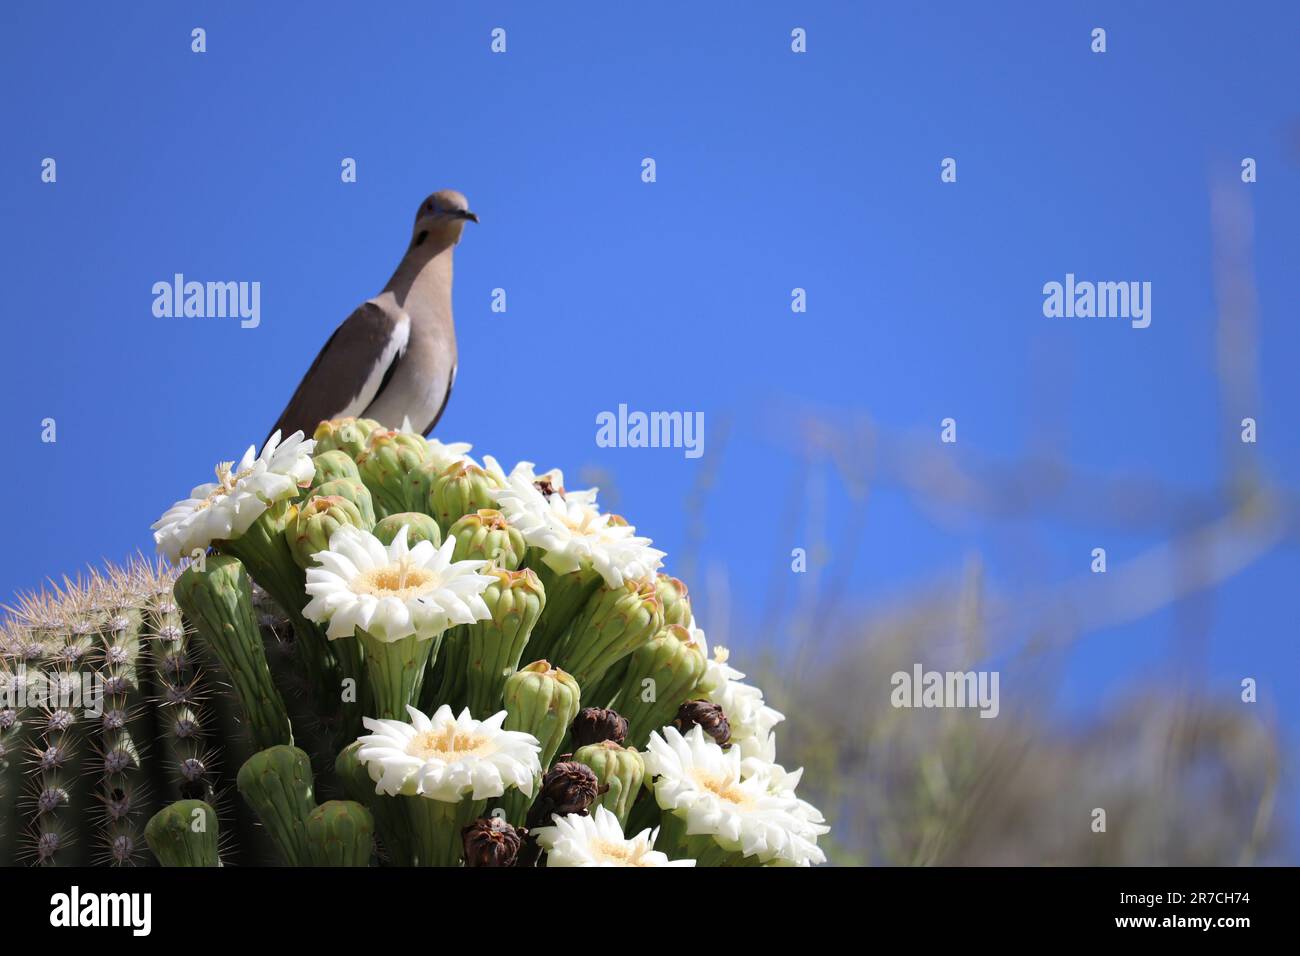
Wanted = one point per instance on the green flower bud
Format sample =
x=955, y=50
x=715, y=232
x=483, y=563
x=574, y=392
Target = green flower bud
x=356, y=492
x=184, y=834
x=312, y=523
x=347, y=435
x=661, y=674
x=420, y=527
x=219, y=602
x=388, y=458
x=485, y=535
x=540, y=700
x=515, y=599
x=612, y=624
x=676, y=600
x=620, y=769
x=566, y=594
x=340, y=833
x=460, y=489
x=277, y=784
x=331, y=465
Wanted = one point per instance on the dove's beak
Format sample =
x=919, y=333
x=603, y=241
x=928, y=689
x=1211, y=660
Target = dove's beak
x=466, y=214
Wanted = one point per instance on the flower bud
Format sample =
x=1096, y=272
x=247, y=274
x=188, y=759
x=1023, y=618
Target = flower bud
x=613, y=623
x=355, y=492
x=541, y=700
x=333, y=464
x=705, y=714
x=568, y=787
x=460, y=489
x=660, y=675
x=491, y=841
x=340, y=833
x=420, y=527
x=310, y=525
x=347, y=435
x=485, y=535
x=596, y=724
x=676, y=600
x=495, y=645
x=621, y=772
x=277, y=784
x=388, y=458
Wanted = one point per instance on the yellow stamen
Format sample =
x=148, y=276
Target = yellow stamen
x=723, y=786
x=399, y=580
x=449, y=745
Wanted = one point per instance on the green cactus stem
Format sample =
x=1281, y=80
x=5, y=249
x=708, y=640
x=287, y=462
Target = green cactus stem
x=340, y=833
x=396, y=671
x=436, y=827
x=389, y=814
x=566, y=595
x=218, y=599
x=184, y=833
x=264, y=551
x=277, y=783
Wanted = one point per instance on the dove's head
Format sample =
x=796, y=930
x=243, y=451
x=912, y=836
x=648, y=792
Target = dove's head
x=441, y=218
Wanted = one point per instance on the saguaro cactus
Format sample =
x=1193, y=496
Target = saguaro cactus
x=290, y=616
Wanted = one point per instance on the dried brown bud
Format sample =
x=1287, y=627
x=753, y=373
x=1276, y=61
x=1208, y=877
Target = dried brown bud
x=568, y=787
x=548, y=487
x=595, y=724
x=490, y=841
x=706, y=714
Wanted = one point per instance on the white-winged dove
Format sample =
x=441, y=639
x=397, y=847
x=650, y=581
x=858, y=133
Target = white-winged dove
x=394, y=358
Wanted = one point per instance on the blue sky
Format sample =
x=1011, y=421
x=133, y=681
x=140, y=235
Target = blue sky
x=774, y=170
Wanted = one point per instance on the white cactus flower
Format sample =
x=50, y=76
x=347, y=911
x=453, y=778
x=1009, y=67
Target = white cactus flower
x=445, y=757
x=750, y=717
x=395, y=591
x=226, y=508
x=597, y=840
x=707, y=788
x=570, y=529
